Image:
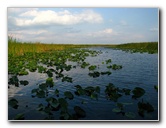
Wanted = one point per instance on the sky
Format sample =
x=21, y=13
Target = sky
x=83, y=25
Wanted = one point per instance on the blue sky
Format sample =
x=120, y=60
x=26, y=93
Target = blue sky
x=84, y=25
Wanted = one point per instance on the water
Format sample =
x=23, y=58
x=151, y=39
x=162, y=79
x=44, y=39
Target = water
x=139, y=70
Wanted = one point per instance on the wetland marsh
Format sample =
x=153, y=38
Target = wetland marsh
x=81, y=83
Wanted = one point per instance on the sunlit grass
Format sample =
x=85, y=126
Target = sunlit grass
x=16, y=47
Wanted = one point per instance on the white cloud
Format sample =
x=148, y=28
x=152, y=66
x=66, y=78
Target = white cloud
x=102, y=33
x=35, y=17
x=107, y=31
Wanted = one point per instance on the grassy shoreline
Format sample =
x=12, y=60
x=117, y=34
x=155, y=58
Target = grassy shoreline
x=149, y=47
x=16, y=48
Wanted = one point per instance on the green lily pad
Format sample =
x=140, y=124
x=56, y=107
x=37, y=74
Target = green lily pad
x=79, y=111
x=49, y=73
x=23, y=72
x=43, y=86
x=156, y=88
x=97, y=89
x=130, y=115
x=106, y=73
x=13, y=103
x=57, y=92
x=34, y=90
x=41, y=69
x=41, y=94
x=115, y=66
x=94, y=74
x=126, y=91
x=116, y=110
x=84, y=64
x=24, y=82
x=14, y=81
x=49, y=82
x=63, y=103
x=92, y=67
x=138, y=92
x=94, y=96
x=19, y=117
x=108, y=61
x=40, y=107
x=67, y=79
x=69, y=95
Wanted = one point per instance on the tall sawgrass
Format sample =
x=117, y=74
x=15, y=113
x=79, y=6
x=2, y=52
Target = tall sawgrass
x=17, y=48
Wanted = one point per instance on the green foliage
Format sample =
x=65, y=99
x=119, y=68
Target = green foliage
x=19, y=117
x=79, y=111
x=149, y=47
x=92, y=67
x=138, y=92
x=13, y=103
x=94, y=74
x=144, y=107
x=24, y=82
x=108, y=61
x=156, y=88
x=69, y=95
x=49, y=82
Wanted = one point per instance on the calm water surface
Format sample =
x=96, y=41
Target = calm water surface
x=139, y=70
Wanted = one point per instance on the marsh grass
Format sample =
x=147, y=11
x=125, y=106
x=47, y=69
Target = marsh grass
x=17, y=48
x=150, y=47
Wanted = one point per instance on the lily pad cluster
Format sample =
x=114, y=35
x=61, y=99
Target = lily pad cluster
x=113, y=93
x=54, y=64
x=90, y=91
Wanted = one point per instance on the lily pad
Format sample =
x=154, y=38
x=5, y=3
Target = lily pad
x=156, y=88
x=106, y=73
x=63, y=103
x=92, y=67
x=49, y=73
x=130, y=115
x=53, y=102
x=116, y=110
x=13, y=103
x=24, y=82
x=94, y=74
x=138, y=92
x=41, y=94
x=108, y=61
x=84, y=64
x=19, y=117
x=49, y=82
x=69, y=95
x=115, y=66
x=43, y=86
x=40, y=107
x=67, y=79
x=57, y=92
x=79, y=111
x=23, y=72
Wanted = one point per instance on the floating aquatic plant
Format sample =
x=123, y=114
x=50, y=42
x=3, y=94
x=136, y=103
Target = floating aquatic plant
x=24, y=82
x=138, y=92
x=144, y=107
x=69, y=95
x=19, y=116
x=94, y=74
x=92, y=67
x=13, y=103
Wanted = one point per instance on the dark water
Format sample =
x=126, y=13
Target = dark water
x=139, y=70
